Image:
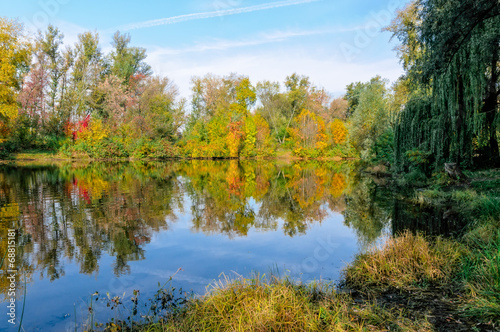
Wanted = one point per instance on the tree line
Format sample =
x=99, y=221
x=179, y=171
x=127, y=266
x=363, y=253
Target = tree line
x=84, y=103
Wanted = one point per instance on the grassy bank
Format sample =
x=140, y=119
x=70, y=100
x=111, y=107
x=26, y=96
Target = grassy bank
x=460, y=274
x=279, y=305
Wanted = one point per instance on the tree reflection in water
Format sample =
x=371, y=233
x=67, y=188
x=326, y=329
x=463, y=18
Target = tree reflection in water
x=80, y=211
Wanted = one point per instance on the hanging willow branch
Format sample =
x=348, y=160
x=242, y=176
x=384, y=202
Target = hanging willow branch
x=452, y=115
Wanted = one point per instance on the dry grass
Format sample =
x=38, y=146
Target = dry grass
x=405, y=262
x=278, y=305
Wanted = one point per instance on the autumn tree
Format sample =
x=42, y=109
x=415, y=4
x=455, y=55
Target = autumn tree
x=15, y=56
x=26, y=128
x=263, y=141
x=338, y=131
x=218, y=125
x=338, y=108
x=114, y=100
x=318, y=102
x=157, y=112
x=308, y=134
x=297, y=91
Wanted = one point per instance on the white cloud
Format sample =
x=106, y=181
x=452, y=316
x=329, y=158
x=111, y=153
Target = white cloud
x=329, y=72
x=211, y=14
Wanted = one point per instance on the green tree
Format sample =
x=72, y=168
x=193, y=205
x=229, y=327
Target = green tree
x=49, y=55
x=88, y=72
x=161, y=114
x=370, y=119
x=127, y=61
x=405, y=27
x=273, y=107
x=454, y=83
x=353, y=92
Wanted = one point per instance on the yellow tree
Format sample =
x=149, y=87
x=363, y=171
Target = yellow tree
x=338, y=131
x=15, y=54
x=308, y=134
x=263, y=139
x=235, y=138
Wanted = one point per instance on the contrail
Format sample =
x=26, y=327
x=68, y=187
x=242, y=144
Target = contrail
x=273, y=37
x=217, y=13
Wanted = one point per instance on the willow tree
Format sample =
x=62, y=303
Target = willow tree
x=452, y=113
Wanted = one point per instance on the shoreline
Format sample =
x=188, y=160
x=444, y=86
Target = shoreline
x=57, y=157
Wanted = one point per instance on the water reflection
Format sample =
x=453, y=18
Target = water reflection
x=430, y=220
x=111, y=216
x=79, y=211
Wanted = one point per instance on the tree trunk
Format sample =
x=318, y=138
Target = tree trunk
x=460, y=153
x=490, y=107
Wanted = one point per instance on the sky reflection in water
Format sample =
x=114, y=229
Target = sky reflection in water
x=119, y=227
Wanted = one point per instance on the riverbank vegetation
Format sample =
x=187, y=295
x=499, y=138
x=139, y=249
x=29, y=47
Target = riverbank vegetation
x=86, y=104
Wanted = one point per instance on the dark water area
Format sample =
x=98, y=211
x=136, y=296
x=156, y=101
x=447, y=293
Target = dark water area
x=430, y=220
x=113, y=228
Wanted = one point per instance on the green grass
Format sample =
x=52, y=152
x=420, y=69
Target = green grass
x=38, y=156
x=481, y=272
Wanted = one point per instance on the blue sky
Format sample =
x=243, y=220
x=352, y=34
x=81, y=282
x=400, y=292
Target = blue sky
x=334, y=42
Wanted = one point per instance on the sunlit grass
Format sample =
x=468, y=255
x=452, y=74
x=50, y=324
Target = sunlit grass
x=404, y=262
x=272, y=304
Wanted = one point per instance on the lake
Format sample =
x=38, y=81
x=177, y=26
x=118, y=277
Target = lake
x=113, y=228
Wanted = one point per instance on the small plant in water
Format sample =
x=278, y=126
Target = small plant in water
x=166, y=301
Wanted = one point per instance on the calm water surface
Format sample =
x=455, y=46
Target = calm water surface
x=115, y=228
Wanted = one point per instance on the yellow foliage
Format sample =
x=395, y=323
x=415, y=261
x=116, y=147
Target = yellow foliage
x=14, y=54
x=338, y=130
x=9, y=212
x=234, y=181
x=338, y=185
x=94, y=133
x=94, y=186
x=309, y=132
x=235, y=138
x=321, y=144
